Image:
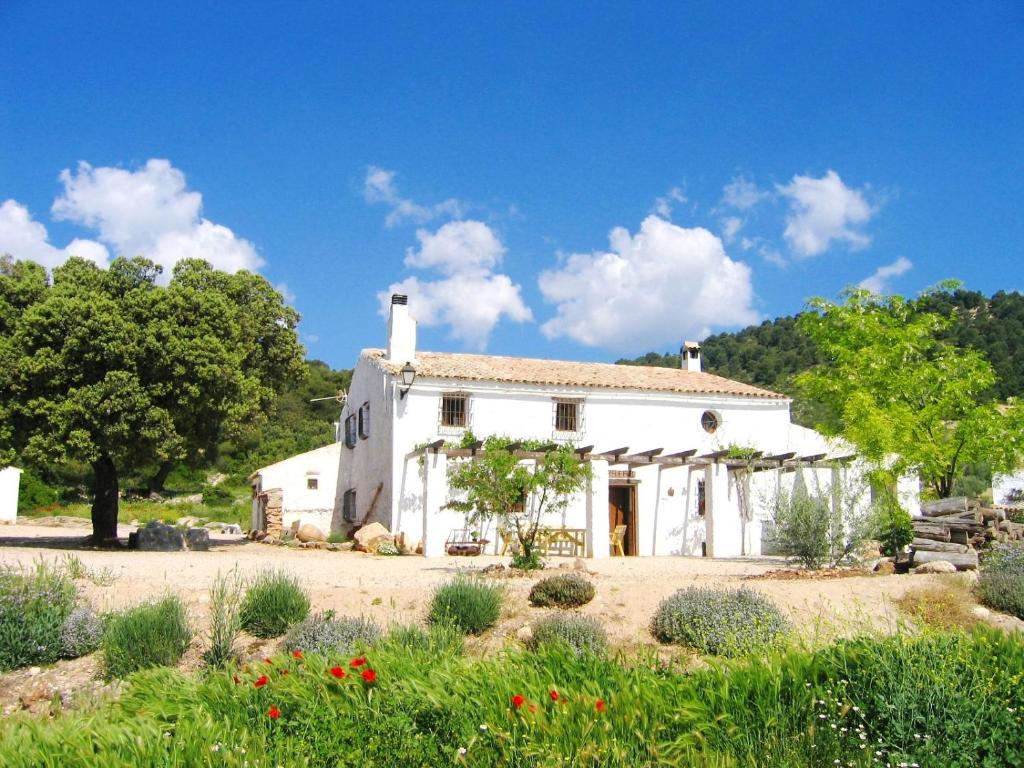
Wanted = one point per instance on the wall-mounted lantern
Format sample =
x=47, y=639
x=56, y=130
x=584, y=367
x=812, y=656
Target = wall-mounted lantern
x=408, y=374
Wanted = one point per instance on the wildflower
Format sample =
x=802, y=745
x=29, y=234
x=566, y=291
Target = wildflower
x=599, y=705
x=462, y=750
x=357, y=662
x=296, y=654
x=338, y=672
x=273, y=713
x=261, y=681
x=553, y=695
x=517, y=701
x=483, y=726
x=369, y=675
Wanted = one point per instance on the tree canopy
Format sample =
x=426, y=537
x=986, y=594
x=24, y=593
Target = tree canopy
x=893, y=384
x=111, y=368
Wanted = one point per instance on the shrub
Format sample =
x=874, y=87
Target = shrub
x=217, y=496
x=530, y=562
x=326, y=635
x=469, y=604
x=336, y=537
x=719, y=621
x=437, y=640
x=388, y=548
x=33, y=493
x=583, y=634
x=1004, y=558
x=566, y=590
x=33, y=608
x=1001, y=583
x=153, y=634
x=225, y=619
x=82, y=632
x=818, y=527
x=274, y=601
x=893, y=527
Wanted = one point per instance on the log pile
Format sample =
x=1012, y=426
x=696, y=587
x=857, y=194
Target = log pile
x=955, y=529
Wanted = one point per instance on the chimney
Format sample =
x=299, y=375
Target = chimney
x=690, y=356
x=401, y=331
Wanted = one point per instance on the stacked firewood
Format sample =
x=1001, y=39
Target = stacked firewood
x=955, y=529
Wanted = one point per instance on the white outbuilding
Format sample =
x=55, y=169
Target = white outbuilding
x=10, y=481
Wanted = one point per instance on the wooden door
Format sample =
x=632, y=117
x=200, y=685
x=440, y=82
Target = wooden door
x=622, y=511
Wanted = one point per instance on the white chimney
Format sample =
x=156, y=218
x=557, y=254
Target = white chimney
x=690, y=354
x=401, y=331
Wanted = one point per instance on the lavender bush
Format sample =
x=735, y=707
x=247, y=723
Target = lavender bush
x=33, y=607
x=566, y=590
x=82, y=632
x=325, y=634
x=583, y=634
x=1001, y=583
x=723, y=622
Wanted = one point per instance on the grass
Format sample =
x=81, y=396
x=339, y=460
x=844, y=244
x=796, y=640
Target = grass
x=943, y=606
x=470, y=604
x=934, y=699
x=274, y=601
x=225, y=619
x=153, y=634
x=147, y=511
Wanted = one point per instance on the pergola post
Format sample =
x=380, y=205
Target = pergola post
x=597, y=510
x=435, y=496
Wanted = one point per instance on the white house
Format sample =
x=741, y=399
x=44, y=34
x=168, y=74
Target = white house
x=1008, y=489
x=10, y=480
x=308, y=485
x=656, y=439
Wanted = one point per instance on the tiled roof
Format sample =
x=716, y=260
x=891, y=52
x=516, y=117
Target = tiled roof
x=527, y=370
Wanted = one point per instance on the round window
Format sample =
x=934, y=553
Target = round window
x=709, y=421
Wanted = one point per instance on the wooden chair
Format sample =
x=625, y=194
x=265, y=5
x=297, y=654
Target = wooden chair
x=505, y=537
x=618, y=539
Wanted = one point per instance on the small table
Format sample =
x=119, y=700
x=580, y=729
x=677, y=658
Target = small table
x=565, y=542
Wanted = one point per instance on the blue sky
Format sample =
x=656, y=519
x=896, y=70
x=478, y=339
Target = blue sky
x=578, y=181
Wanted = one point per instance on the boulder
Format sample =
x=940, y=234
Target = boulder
x=307, y=533
x=198, y=539
x=368, y=533
x=936, y=566
x=159, y=537
x=885, y=567
x=189, y=521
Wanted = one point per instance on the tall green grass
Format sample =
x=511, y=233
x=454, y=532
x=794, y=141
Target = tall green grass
x=937, y=700
x=152, y=634
x=274, y=601
x=470, y=604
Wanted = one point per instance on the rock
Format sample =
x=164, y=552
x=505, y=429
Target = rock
x=33, y=671
x=936, y=566
x=381, y=543
x=313, y=545
x=198, y=539
x=494, y=569
x=885, y=567
x=867, y=552
x=232, y=528
x=214, y=525
x=309, y=532
x=524, y=633
x=368, y=533
x=188, y=521
x=159, y=537
x=981, y=612
x=579, y=564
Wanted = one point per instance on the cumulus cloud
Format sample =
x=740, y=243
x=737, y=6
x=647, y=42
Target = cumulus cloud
x=663, y=205
x=24, y=238
x=150, y=212
x=823, y=210
x=469, y=297
x=379, y=187
x=661, y=285
x=878, y=282
x=742, y=193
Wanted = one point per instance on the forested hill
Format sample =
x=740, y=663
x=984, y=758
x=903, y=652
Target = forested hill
x=770, y=354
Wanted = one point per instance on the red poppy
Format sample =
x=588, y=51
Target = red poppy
x=599, y=705
x=553, y=695
x=357, y=662
x=261, y=681
x=369, y=675
x=338, y=672
x=517, y=701
x=273, y=713
x=296, y=654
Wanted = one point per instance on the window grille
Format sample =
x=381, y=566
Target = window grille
x=364, y=421
x=701, y=506
x=567, y=415
x=710, y=421
x=348, y=505
x=454, y=412
x=350, y=431
x=312, y=483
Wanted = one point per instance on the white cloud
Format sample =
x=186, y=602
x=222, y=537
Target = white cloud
x=150, y=212
x=663, y=205
x=456, y=247
x=662, y=285
x=286, y=293
x=470, y=298
x=823, y=210
x=379, y=187
x=24, y=238
x=879, y=281
x=731, y=225
x=742, y=193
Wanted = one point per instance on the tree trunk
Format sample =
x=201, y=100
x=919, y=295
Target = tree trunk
x=156, y=482
x=104, y=503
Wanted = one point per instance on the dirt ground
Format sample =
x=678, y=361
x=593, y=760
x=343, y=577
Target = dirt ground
x=396, y=590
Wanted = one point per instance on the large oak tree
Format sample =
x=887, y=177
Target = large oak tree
x=109, y=367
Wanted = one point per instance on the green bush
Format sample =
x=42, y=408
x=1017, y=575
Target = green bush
x=470, y=604
x=33, y=608
x=327, y=635
x=583, y=634
x=566, y=590
x=274, y=601
x=893, y=527
x=817, y=527
x=33, y=493
x=723, y=622
x=225, y=619
x=217, y=496
x=530, y=562
x=437, y=640
x=1001, y=582
x=153, y=634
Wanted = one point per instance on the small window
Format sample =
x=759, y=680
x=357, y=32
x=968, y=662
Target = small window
x=350, y=431
x=312, y=483
x=454, y=411
x=568, y=416
x=701, y=504
x=364, y=421
x=709, y=420
x=348, y=505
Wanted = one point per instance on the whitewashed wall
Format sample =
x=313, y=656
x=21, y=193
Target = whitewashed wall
x=301, y=503
x=1002, y=485
x=10, y=480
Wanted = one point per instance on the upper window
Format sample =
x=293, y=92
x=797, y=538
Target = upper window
x=455, y=411
x=568, y=416
x=312, y=483
x=710, y=421
x=364, y=420
x=350, y=431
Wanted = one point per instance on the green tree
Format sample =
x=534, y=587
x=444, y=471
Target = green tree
x=496, y=485
x=893, y=386
x=110, y=368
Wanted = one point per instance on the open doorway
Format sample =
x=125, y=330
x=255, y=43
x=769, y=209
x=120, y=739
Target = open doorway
x=622, y=511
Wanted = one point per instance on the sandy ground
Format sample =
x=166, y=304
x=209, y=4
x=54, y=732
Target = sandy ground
x=397, y=589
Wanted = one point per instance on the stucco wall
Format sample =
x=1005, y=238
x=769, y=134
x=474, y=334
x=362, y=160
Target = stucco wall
x=10, y=480
x=1002, y=485
x=314, y=506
